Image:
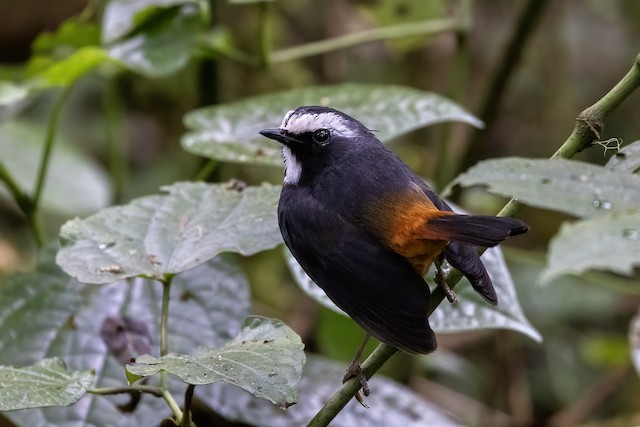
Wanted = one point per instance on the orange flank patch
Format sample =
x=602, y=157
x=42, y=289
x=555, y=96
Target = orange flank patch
x=404, y=225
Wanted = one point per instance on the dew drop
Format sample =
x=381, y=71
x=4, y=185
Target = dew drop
x=607, y=205
x=105, y=245
x=597, y=203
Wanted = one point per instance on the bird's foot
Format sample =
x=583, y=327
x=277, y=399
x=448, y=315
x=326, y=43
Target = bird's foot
x=441, y=281
x=355, y=370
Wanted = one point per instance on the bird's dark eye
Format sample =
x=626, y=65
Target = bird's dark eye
x=321, y=136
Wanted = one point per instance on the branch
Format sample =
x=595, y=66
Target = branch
x=582, y=136
x=509, y=62
x=432, y=26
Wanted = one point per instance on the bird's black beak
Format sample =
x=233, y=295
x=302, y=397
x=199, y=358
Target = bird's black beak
x=279, y=135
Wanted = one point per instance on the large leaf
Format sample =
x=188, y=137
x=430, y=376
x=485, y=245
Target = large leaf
x=626, y=160
x=265, y=359
x=164, y=44
x=74, y=183
x=608, y=242
x=569, y=186
x=158, y=235
x=124, y=16
x=46, y=383
x=66, y=71
x=230, y=132
x=44, y=314
x=390, y=404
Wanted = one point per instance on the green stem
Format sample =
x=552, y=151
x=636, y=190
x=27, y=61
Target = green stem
x=175, y=408
x=577, y=141
x=458, y=85
x=164, y=327
x=106, y=391
x=115, y=139
x=188, y=398
x=19, y=196
x=52, y=127
x=509, y=62
x=205, y=172
x=264, y=34
x=432, y=26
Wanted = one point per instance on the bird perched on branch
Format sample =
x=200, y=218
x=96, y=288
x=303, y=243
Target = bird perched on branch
x=366, y=229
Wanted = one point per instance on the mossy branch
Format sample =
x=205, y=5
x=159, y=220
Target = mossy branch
x=588, y=127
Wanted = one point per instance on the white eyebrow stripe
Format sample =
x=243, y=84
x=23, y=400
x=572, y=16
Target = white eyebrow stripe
x=283, y=125
x=310, y=122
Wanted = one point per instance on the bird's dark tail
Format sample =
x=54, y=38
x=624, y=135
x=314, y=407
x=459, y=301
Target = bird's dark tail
x=478, y=230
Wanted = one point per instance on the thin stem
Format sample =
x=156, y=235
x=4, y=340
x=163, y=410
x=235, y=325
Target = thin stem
x=20, y=196
x=458, y=85
x=164, y=327
x=175, y=408
x=509, y=62
x=432, y=26
x=106, y=391
x=264, y=34
x=188, y=398
x=52, y=127
x=575, y=142
x=115, y=139
x=205, y=172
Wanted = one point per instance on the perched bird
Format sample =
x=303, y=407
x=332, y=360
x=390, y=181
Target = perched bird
x=366, y=229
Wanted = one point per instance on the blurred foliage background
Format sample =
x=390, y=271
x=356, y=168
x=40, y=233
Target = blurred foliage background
x=571, y=52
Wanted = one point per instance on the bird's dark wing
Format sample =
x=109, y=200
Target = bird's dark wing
x=376, y=287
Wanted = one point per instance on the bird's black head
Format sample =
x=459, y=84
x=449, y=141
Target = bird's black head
x=314, y=136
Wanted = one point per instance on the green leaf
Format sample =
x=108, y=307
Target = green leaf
x=163, y=45
x=85, y=191
x=247, y=1
x=608, y=242
x=265, y=359
x=165, y=234
x=576, y=188
x=72, y=33
x=44, y=313
x=11, y=93
x=634, y=341
x=390, y=404
x=121, y=17
x=626, y=160
x=65, y=72
x=47, y=383
x=470, y=313
x=230, y=132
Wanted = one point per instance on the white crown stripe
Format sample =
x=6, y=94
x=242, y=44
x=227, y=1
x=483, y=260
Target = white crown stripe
x=310, y=122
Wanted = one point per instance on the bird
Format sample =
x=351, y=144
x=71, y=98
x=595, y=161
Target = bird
x=366, y=229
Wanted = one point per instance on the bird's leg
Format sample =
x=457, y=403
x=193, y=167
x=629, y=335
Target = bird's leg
x=354, y=369
x=441, y=280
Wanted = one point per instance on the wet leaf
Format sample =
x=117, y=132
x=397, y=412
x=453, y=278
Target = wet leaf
x=576, y=188
x=207, y=308
x=158, y=235
x=265, y=359
x=75, y=184
x=626, y=160
x=230, y=132
x=46, y=383
x=164, y=44
x=607, y=242
x=390, y=404
x=121, y=17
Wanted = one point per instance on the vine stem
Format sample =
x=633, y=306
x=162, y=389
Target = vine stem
x=164, y=327
x=587, y=129
x=432, y=26
x=154, y=391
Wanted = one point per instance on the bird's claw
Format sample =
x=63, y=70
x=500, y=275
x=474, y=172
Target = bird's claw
x=355, y=370
x=441, y=281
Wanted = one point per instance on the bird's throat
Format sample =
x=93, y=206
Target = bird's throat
x=292, y=167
